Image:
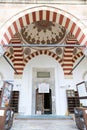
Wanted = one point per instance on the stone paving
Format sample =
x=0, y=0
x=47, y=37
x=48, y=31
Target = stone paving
x=44, y=124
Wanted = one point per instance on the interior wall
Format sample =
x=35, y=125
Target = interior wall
x=6, y=70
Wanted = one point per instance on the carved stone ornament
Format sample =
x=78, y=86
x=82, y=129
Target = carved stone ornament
x=43, y=32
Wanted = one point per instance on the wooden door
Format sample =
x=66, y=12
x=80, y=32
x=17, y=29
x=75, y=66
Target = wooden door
x=43, y=103
x=39, y=102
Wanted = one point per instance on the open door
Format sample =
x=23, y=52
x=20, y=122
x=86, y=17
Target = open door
x=43, y=103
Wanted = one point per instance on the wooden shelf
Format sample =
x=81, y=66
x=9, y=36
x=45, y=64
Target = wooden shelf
x=72, y=100
x=14, y=100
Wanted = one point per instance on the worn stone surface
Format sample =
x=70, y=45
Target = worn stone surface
x=44, y=124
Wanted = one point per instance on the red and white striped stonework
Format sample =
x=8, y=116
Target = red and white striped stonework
x=18, y=60
x=43, y=52
x=7, y=54
x=48, y=13
x=68, y=56
x=78, y=55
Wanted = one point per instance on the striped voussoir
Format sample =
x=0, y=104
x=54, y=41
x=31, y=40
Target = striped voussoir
x=27, y=17
x=50, y=14
x=68, y=56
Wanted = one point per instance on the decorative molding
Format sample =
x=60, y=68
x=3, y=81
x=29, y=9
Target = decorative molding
x=59, y=51
x=43, y=32
x=27, y=51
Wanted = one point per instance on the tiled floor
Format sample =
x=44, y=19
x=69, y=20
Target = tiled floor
x=44, y=124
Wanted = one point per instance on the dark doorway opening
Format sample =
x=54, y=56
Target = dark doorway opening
x=47, y=103
x=44, y=102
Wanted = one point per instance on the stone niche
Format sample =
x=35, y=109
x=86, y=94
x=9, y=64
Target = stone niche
x=43, y=76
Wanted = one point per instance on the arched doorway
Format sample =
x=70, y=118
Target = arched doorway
x=30, y=84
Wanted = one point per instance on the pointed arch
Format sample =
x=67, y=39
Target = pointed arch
x=24, y=18
x=43, y=52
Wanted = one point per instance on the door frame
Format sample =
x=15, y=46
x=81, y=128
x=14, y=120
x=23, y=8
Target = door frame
x=43, y=110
